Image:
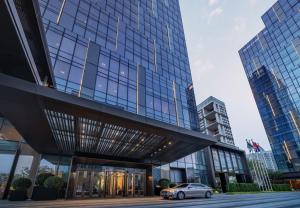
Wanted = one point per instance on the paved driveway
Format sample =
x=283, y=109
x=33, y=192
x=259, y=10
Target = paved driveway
x=264, y=200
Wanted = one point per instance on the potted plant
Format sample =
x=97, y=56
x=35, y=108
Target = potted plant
x=53, y=184
x=41, y=178
x=162, y=184
x=39, y=191
x=20, y=186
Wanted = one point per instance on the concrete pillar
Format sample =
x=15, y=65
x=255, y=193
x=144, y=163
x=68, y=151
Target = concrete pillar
x=149, y=182
x=210, y=166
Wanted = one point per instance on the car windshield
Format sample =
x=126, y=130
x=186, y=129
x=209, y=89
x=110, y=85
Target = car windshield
x=182, y=185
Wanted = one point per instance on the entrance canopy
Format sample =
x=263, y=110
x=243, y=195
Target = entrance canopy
x=58, y=123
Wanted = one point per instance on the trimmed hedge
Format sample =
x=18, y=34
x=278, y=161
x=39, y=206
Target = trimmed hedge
x=243, y=187
x=281, y=187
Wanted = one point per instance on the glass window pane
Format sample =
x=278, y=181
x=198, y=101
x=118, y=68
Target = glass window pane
x=67, y=45
x=157, y=104
x=103, y=61
x=101, y=84
x=75, y=74
x=122, y=91
x=131, y=95
x=114, y=66
x=80, y=51
x=53, y=38
x=61, y=69
x=112, y=88
x=149, y=101
x=124, y=70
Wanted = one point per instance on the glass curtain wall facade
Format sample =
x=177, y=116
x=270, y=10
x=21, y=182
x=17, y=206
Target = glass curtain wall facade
x=130, y=54
x=272, y=64
x=18, y=159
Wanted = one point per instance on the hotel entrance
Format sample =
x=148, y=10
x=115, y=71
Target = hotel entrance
x=109, y=182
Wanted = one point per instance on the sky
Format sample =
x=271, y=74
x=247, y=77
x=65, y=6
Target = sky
x=215, y=30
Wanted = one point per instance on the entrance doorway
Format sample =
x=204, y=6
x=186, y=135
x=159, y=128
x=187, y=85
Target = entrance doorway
x=109, y=182
x=224, y=181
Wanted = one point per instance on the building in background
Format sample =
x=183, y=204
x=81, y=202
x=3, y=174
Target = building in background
x=267, y=158
x=228, y=161
x=260, y=166
x=214, y=120
x=109, y=108
x=272, y=64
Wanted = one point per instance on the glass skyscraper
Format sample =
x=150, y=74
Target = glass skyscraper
x=272, y=64
x=130, y=54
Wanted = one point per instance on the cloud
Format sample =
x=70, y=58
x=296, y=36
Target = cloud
x=253, y=2
x=201, y=66
x=239, y=24
x=216, y=12
x=212, y=2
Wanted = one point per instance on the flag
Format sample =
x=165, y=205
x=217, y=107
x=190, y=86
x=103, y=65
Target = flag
x=249, y=145
x=256, y=146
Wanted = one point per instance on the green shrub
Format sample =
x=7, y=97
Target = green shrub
x=164, y=183
x=21, y=184
x=242, y=187
x=41, y=178
x=54, y=182
x=281, y=187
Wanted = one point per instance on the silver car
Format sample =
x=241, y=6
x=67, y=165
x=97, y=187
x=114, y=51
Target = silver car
x=187, y=190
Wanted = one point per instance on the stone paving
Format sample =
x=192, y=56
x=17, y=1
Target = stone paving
x=262, y=200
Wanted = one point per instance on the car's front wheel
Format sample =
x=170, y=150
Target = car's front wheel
x=180, y=195
x=208, y=194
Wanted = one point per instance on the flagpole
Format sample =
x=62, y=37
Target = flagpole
x=260, y=165
x=267, y=177
x=257, y=178
x=256, y=170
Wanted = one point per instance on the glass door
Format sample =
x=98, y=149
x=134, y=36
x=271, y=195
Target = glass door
x=115, y=184
x=139, y=184
x=82, y=188
x=97, y=184
x=120, y=184
x=130, y=186
x=108, y=183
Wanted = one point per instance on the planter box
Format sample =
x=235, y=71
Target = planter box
x=41, y=193
x=18, y=195
x=157, y=191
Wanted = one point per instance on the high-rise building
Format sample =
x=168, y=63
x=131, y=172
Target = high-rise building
x=229, y=162
x=109, y=108
x=214, y=120
x=128, y=54
x=272, y=64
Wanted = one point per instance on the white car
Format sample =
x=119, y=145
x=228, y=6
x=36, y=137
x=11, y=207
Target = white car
x=187, y=190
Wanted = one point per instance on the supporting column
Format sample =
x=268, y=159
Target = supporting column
x=210, y=167
x=11, y=175
x=149, y=181
x=71, y=181
x=34, y=171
